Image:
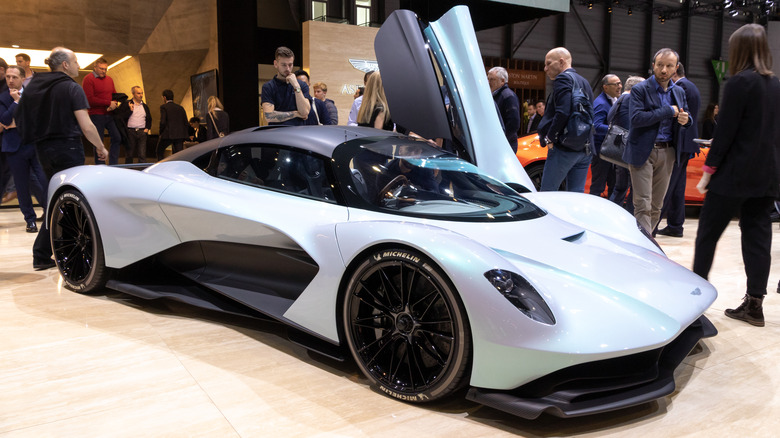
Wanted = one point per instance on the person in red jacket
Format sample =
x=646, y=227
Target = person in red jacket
x=99, y=88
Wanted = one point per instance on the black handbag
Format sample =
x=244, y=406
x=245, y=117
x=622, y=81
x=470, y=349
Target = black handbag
x=614, y=143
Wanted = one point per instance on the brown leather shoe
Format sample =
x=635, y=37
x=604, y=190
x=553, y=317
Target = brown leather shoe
x=751, y=311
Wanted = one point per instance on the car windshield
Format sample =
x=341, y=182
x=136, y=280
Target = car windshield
x=415, y=177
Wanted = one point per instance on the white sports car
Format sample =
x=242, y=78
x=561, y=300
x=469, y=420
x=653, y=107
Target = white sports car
x=433, y=273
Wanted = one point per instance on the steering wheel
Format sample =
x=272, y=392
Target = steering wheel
x=394, y=184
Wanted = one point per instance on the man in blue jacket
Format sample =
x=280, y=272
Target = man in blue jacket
x=563, y=163
x=674, y=202
x=22, y=159
x=657, y=109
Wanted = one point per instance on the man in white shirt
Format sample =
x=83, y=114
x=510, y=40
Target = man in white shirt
x=138, y=121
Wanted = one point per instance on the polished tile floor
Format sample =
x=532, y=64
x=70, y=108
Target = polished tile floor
x=112, y=366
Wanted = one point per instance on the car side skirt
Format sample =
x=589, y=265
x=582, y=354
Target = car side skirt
x=235, y=279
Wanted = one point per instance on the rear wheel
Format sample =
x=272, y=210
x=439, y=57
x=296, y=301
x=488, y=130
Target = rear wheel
x=535, y=172
x=406, y=327
x=76, y=244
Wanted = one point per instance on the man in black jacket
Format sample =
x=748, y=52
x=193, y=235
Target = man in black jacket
x=173, y=125
x=507, y=103
x=53, y=115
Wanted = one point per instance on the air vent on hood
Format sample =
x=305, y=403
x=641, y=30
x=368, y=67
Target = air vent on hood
x=574, y=237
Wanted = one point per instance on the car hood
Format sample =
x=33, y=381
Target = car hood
x=436, y=85
x=578, y=269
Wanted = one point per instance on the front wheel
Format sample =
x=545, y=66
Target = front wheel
x=406, y=327
x=76, y=244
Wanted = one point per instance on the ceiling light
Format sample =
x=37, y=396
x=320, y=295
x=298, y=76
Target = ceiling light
x=119, y=62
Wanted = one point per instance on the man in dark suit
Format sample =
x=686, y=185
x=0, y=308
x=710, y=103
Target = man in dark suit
x=674, y=202
x=603, y=172
x=658, y=110
x=533, y=124
x=507, y=102
x=563, y=163
x=173, y=125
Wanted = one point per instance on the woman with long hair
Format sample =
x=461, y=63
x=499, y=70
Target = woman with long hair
x=710, y=121
x=217, y=120
x=741, y=172
x=374, y=111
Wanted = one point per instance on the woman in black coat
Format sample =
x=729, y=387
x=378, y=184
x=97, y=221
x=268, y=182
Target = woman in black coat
x=710, y=121
x=741, y=172
x=217, y=120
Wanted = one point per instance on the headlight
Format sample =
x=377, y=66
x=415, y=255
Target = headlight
x=521, y=294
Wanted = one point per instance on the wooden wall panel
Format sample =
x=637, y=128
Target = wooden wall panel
x=327, y=49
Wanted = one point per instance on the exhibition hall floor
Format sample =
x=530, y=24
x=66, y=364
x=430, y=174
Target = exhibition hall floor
x=109, y=365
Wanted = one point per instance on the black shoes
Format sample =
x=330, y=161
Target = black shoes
x=40, y=265
x=751, y=311
x=671, y=233
x=32, y=227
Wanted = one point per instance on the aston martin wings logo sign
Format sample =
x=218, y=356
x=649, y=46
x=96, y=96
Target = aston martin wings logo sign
x=364, y=65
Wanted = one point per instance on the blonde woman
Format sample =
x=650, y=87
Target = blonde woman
x=374, y=111
x=217, y=120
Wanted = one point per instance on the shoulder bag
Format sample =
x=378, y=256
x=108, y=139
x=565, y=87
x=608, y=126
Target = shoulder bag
x=219, y=133
x=615, y=142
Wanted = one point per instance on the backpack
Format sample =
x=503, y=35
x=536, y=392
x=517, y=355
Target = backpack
x=576, y=135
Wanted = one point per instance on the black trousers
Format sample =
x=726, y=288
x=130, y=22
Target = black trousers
x=674, y=201
x=178, y=145
x=622, y=195
x=756, y=228
x=602, y=175
x=55, y=156
x=136, y=145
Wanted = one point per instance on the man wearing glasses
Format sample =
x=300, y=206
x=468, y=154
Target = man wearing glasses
x=603, y=172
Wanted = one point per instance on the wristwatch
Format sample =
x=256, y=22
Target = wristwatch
x=297, y=89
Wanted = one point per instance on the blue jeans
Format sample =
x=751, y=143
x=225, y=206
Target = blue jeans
x=565, y=165
x=103, y=122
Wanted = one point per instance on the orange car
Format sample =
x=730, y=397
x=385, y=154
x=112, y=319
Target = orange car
x=532, y=157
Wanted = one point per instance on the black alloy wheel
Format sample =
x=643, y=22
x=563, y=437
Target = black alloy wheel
x=406, y=327
x=76, y=244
